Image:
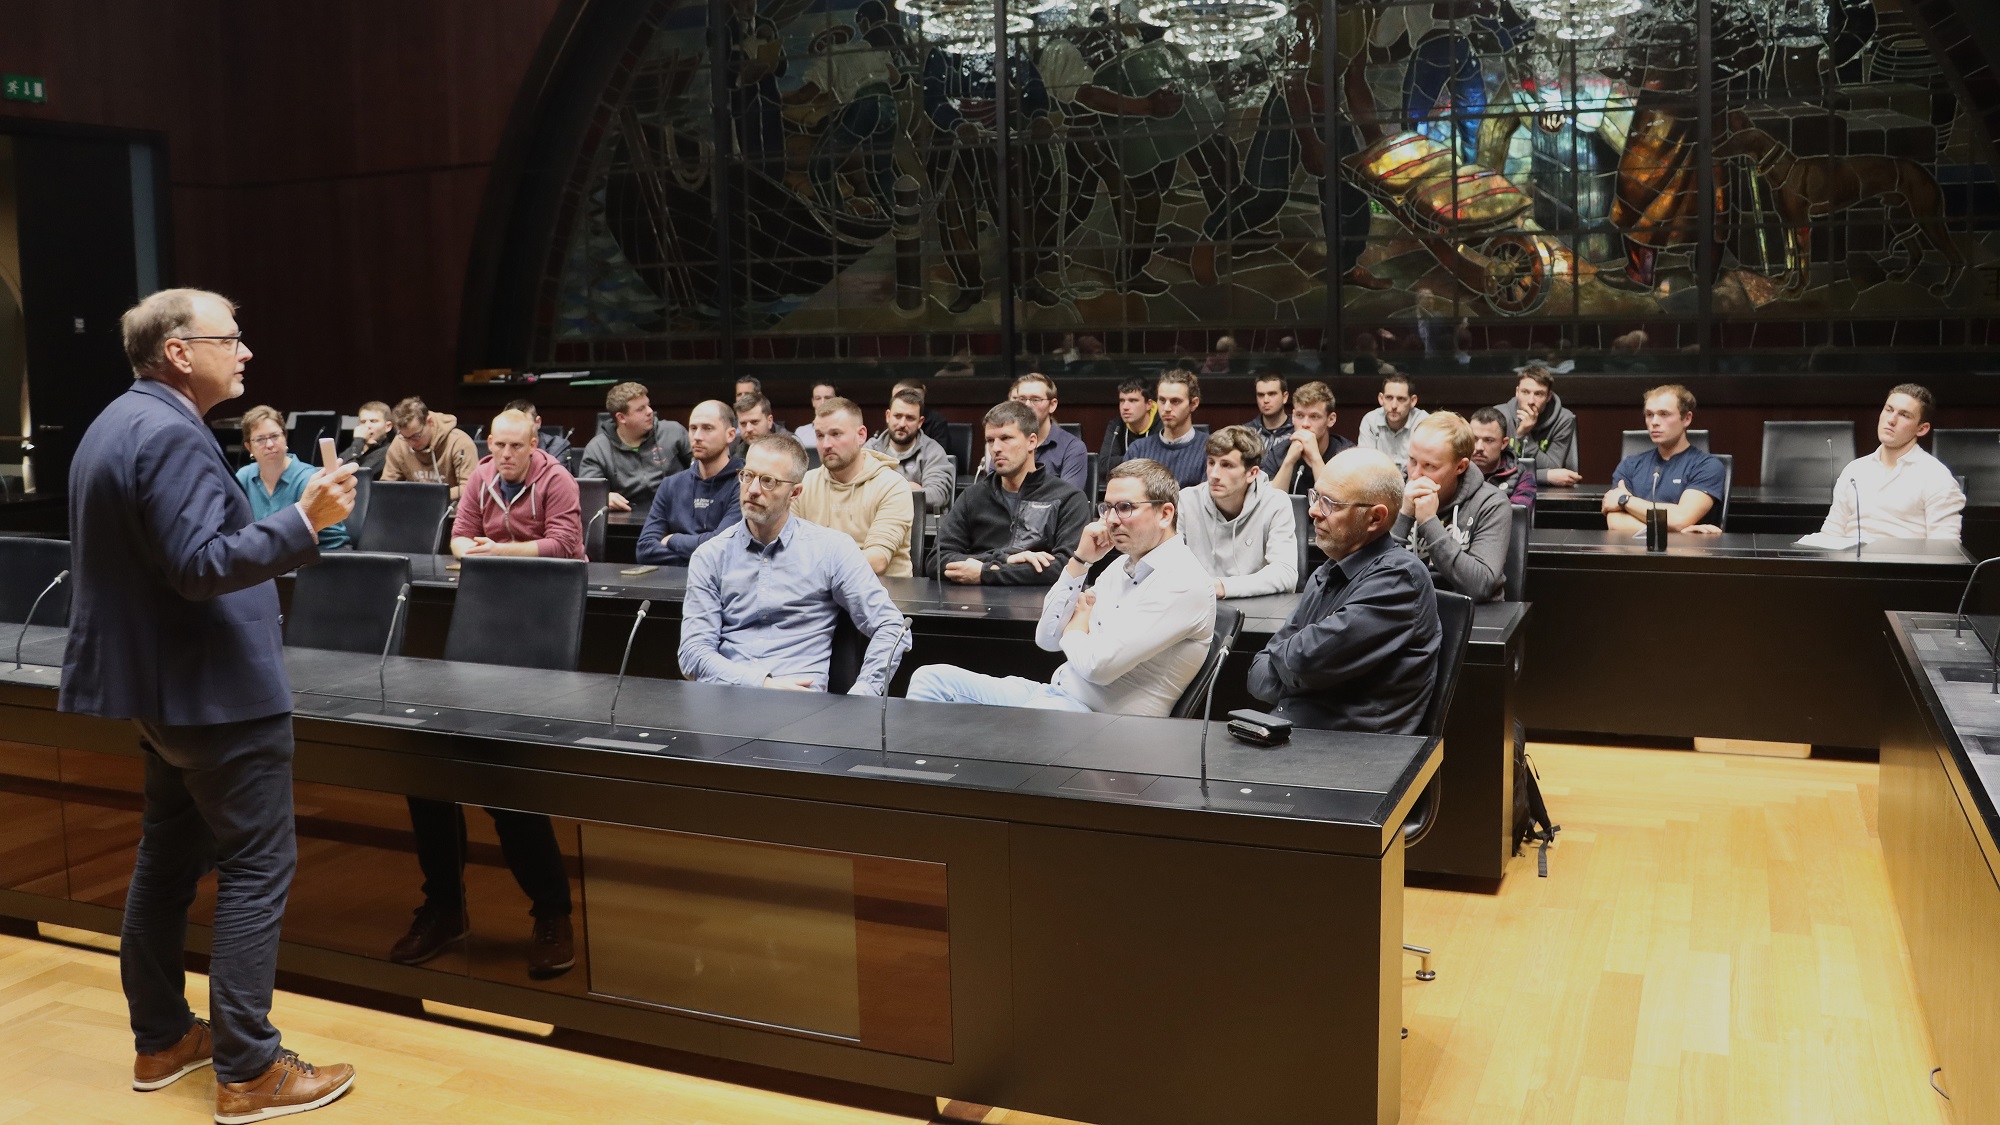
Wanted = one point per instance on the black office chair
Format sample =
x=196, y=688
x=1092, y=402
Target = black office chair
x=479, y=447
x=920, y=539
x=958, y=443
x=405, y=517
x=27, y=566
x=1806, y=455
x=1637, y=441
x=572, y=459
x=307, y=427
x=1302, y=522
x=1517, y=552
x=1454, y=637
x=521, y=612
x=364, y=486
x=1096, y=492
x=593, y=501
x=347, y=602
x=1721, y=513
x=1972, y=454
x=1075, y=429
x=1228, y=623
x=850, y=648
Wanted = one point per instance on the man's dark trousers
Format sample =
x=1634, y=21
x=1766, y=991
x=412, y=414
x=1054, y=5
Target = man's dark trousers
x=527, y=840
x=217, y=797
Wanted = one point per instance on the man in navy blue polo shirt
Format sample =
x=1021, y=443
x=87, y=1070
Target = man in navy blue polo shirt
x=1673, y=475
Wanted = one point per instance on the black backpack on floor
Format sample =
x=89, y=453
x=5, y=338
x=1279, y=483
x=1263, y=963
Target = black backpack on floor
x=1531, y=813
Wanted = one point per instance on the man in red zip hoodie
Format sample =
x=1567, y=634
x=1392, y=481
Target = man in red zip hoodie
x=519, y=501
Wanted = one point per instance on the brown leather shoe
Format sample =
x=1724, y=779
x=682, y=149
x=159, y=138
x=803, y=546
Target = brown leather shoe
x=164, y=1068
x=553, y=948
x=290, y=1085
x=431, y=932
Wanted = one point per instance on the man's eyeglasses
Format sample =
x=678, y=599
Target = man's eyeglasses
x=1123, y=509
x=746, y=478
x=235, y=341
x=1319, y=503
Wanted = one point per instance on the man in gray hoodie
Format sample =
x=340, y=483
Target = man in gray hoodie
x=634, y=449
x=1451, y=518
x=924, y=463
x=1539, y=430
x=1237, y=524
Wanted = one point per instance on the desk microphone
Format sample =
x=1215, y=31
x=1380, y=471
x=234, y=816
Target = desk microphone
x=1652, y=495
x=382, y=666
x=1856, y=482
x=22, y=638
x=1208, y=706
x=1958, y=620
x=887, y=674
x=637, y=620
x=592, y=520
x=437, y=531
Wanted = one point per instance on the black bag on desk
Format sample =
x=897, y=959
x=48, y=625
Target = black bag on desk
x=1531, y=813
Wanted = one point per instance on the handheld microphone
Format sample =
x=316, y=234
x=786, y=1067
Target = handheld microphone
x=887, y=674
x=382, y=666
x=22, y=638
x=1958, y=619
x=637, y=620
x=449, y=510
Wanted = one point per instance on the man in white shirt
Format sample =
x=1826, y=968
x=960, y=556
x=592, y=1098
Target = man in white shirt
x=1902, y=491
x=1135, y=640
x=1388, y=427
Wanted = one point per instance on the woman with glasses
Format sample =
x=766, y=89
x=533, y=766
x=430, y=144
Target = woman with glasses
x=274, y=479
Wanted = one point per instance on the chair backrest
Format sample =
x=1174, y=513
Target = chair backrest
x=521, y=612
x=593, y=496
x=1720, y=517
x=1096, y=492
x=1806, y=455
x=1228, y=623
x=347, y=602
x=404, y=517
x=307, y=427
x=1075, y=429
x=920, y=535
x=850, y=649
x=572, y=459
x=1637, y=441
x=364, y=486
x=1454, y=635
x=27, y=566
x=1517, y=552
x=958, y=443
x=479, y=447
x=1972, y=454
x=1302, y=522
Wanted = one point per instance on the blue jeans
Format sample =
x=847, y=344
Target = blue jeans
x=216, y=797
x=942, y=683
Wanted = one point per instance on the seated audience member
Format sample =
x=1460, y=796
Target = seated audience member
x=857, y=491
x=1273, y=422
x=372, y=434
x=1451, y=517
x=1673, y=474
x=1131, y=643
x=1360, y=650
x=1541, y=431
x=1237, y=525
x=555, y=445
x=1312, y=442
x=1366, y=358
x=274, y=479
x=1016, y=525
x=753, y=420
x=1903, y=491
x=748, y=385
x=1056, y=449
x=1496, y=460
x=1387, y=428
x=700, y=501
x=519, y=501
x=429, y=447
x=765, y=595
x=822, y=393
x=1176, y=443
x=1137, y=417
x=634, y=449
x=925, y=465
x=935, y=427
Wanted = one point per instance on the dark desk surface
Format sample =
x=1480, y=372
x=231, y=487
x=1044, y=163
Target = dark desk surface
x=1356, y=782
x=1956, y=674
x=1761, y=545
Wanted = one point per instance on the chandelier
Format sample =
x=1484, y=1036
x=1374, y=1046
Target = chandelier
x=1582, y=19
x=1213, y=30
x=964, y=27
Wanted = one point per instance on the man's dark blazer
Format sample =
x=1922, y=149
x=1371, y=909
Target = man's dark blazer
x=173, y=615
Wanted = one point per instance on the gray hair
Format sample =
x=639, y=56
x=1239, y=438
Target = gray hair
x=1369, y=476
x=790, y=447
x=166, y=315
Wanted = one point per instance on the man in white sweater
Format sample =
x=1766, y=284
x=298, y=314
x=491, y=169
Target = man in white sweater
x=1238, y=525
x=1899, y=491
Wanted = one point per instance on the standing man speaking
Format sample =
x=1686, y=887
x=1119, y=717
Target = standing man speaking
x=174, y=624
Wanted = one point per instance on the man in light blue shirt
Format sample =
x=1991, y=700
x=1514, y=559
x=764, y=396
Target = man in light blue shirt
x=764, y=596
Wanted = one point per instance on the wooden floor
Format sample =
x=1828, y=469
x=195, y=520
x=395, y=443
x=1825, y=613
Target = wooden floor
x=1715, y=943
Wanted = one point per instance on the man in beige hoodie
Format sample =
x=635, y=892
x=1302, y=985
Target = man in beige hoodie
x=429, y=447
x=858, y=491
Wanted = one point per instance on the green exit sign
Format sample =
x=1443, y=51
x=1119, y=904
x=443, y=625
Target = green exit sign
x=23, y=88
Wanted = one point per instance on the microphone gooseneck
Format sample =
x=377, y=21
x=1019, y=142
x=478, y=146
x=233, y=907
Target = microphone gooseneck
x=637, y=620
x=1652, y=496
x=903, y=624
x=22, y=637
x=1207, y=708
x=382, y=666
x=1856, y=482
x=437, y=531
x=1958, y=619
x=586, y=526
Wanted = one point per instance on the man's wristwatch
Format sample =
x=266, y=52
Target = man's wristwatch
x=1624, y=500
